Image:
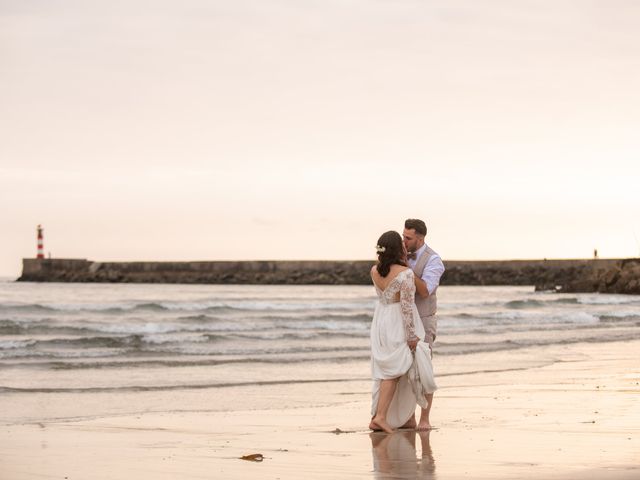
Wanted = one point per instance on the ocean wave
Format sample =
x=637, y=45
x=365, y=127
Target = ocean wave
x=25, y=308
x=301, y=317
x=518, y=317
x=609, y=299
x=202, y=318
x=153, y=328
x=79, y=308
x=130, y=342
x=194, y=325
x=575, y=318
x=169, y=306
x=65, y=354
x=327, y=325
x=524, y=304
x=15, y=344
x=535, y=303
x=297, y=318
x=567, y=300
x=620, y=318
x=163, y=339
x=296, y=335
x=10, y=327
x=67, y=346
x=184, y=342
x=515, y=328
x=180, y=350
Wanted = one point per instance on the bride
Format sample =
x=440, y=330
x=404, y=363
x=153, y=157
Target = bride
x=400, y=360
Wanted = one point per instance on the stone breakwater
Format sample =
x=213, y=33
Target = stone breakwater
x=611, y=276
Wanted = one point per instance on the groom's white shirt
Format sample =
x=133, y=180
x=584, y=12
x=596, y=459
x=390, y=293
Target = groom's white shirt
x=432, y=271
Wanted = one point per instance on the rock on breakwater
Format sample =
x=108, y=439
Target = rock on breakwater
x=611, y=276
x=621, y=277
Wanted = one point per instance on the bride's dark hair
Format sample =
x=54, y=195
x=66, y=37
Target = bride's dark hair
x=390, y=252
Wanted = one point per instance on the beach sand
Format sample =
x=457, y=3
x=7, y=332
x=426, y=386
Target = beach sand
x=563, y=412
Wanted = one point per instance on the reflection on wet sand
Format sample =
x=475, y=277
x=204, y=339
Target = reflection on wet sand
x=394, y=455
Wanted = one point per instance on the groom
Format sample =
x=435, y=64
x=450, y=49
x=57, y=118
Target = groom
x=427, y=267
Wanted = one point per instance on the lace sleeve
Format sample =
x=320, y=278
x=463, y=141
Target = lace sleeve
x=407, y=301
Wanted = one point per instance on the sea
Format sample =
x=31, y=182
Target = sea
x=98, y=337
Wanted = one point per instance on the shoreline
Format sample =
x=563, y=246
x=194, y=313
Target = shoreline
x=559, y=412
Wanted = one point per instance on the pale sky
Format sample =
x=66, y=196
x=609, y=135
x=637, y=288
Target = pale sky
x=298, y=129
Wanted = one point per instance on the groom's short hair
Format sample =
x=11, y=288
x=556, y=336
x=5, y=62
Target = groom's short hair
x=418, y=225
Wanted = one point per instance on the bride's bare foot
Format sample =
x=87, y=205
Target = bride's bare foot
x=377, y=424
x=424, y=426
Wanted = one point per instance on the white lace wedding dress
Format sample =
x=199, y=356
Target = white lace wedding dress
x=395, y=320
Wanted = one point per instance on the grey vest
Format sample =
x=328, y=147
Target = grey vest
x=427, y=306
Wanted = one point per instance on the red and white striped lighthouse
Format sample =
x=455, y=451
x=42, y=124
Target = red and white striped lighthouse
x=40, y=243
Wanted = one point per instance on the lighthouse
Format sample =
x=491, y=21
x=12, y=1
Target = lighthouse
x=40, y=243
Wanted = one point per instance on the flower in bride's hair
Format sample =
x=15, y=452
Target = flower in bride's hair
x=380, y=249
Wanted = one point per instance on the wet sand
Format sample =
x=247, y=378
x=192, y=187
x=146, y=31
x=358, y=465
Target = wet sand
x=562, y=412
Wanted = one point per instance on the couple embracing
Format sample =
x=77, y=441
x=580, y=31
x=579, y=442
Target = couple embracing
x=403, y=330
